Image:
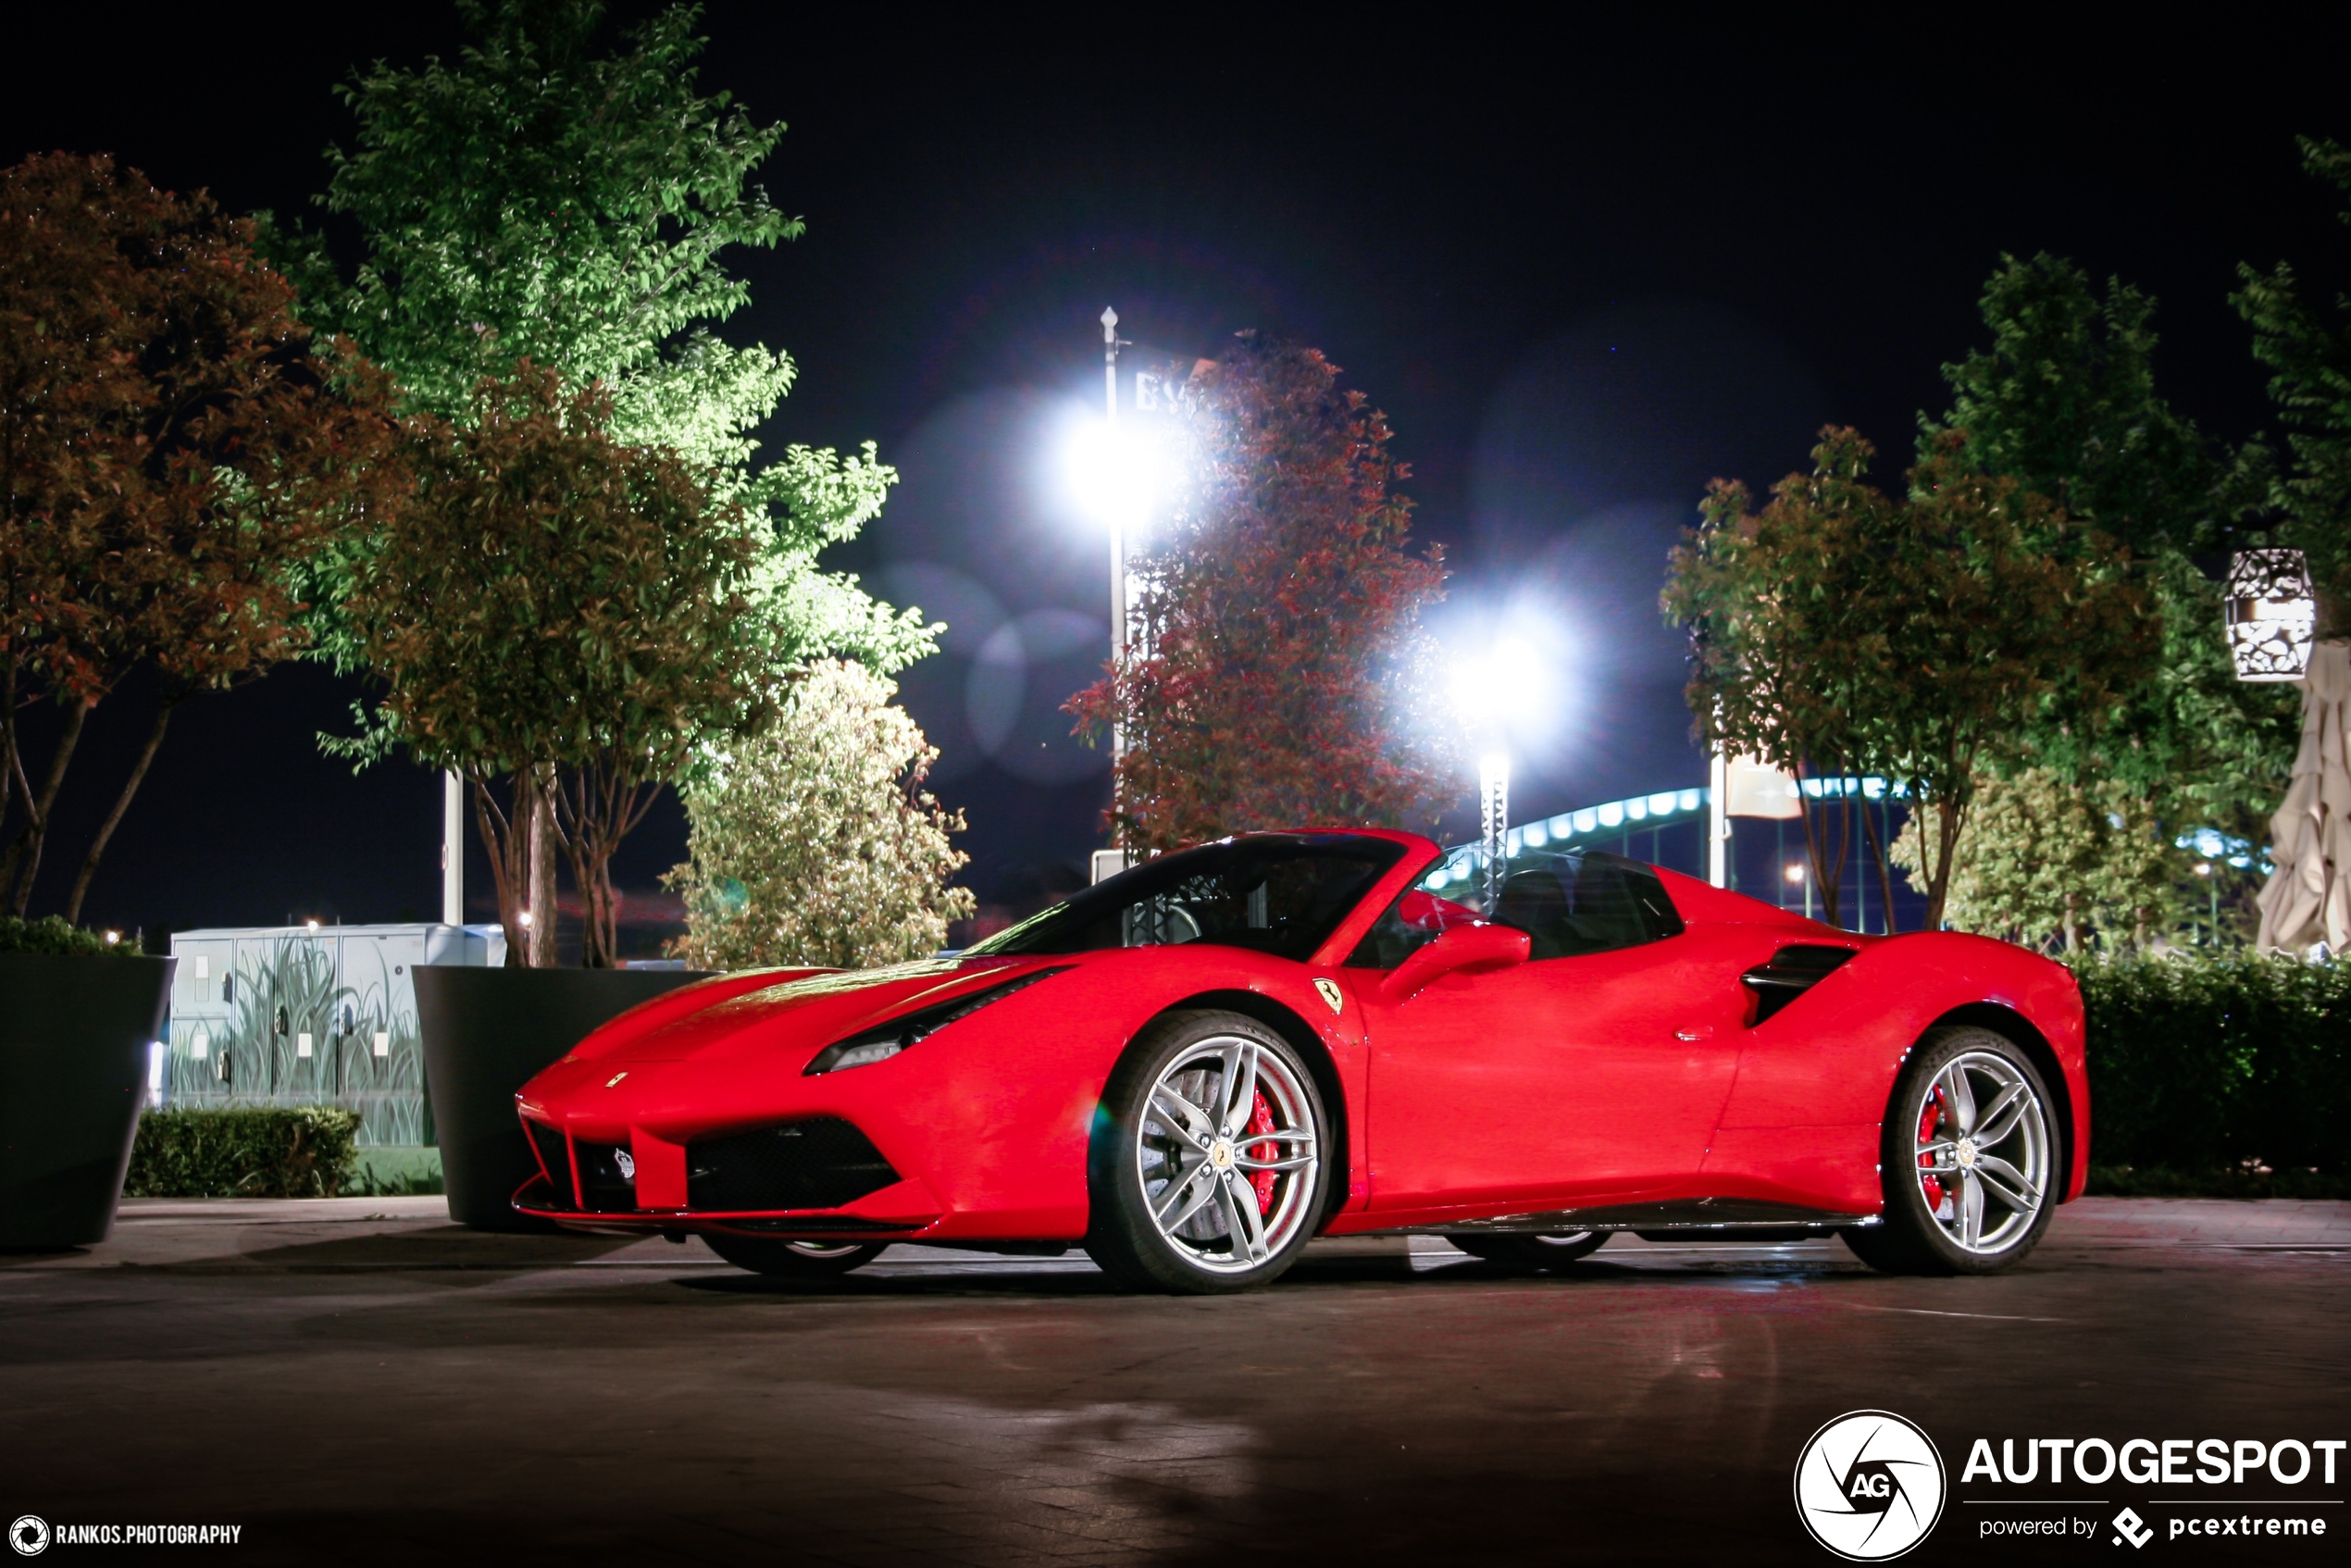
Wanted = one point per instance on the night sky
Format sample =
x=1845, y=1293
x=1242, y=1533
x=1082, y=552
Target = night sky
x=1582, y=270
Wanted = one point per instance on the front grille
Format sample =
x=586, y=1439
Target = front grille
x=815, y=1164
x=607, y=1177
x=553, y=1153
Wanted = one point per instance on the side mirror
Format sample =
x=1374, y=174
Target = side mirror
x=1465, y=950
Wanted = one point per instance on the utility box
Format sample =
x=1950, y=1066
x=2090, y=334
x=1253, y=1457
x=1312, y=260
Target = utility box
x=303, y=1016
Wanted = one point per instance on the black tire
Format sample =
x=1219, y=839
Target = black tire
x=806, y=1261
x=1914, y=1238
x=1130, y=1135
x=1538, y=1253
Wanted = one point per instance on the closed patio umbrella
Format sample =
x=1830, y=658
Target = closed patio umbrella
x=2307, y=897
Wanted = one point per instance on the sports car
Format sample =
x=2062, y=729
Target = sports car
x=1197, y=1066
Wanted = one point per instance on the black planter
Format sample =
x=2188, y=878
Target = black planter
x=486, y=1033
x=74, y=1034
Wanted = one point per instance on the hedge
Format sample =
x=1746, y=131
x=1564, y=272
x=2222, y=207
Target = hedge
x=2204, y=1070
x=307, y=1151
x=50, y=934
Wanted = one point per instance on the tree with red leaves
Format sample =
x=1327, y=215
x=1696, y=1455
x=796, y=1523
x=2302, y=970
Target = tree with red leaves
x=1282, y=675
x=172, y=443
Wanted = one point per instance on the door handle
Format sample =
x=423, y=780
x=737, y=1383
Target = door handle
x=1694, y=1032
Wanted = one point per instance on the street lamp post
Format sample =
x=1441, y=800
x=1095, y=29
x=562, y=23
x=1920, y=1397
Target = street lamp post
x=1494, y=816
x=1117, y=541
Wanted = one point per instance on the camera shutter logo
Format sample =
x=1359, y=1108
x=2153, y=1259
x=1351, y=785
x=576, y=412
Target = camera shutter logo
x=1869, y=1485
x=29, y=1536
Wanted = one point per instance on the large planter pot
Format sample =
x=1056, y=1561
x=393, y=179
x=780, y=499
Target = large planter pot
x=486, y=1033
x=74, y=1037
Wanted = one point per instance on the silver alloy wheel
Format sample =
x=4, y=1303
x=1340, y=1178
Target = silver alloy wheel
x=1223, y=1115
x=1564, y=1238
x=1983, y=1152
x=825, y=1248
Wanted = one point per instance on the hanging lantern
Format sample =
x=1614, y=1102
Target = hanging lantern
x=2272, y=614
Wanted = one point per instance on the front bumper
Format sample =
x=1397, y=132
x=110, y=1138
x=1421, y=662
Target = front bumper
x=818, y=1177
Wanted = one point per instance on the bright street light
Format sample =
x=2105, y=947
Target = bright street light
x=1488, y=691
x=1116, y=473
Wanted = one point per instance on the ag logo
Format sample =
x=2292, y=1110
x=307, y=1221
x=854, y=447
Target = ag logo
x=29, y=1535
x=1331, y=994
x=1869, y=1486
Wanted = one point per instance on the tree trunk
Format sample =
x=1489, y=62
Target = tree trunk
x=1827, y=862
x=36, y=831
x=1947, y=835
x=121, y=804
x=1880, y=852
x=597, y=807
x=541, y=900
x=501, y=838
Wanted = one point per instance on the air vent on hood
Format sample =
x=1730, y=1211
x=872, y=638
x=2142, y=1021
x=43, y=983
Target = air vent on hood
x=1791, y=973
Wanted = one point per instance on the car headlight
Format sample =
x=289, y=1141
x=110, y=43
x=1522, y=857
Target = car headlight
x=887, y=1040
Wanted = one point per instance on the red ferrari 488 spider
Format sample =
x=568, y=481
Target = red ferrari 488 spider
x=1197, y=1066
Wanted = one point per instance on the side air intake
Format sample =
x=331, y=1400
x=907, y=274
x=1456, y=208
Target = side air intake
x=1791, y=973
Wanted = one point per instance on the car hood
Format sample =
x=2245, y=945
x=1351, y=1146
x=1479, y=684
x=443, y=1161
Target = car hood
x=813, y=1010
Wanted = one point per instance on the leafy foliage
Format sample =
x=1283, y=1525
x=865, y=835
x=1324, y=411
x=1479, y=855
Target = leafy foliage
x=560, y=609
x=306, y=1151
x=2201, y=1065
x=539, y=200
x=2064, y=401
x=1286, y=668
x=1842, y=630
x=54, y=934
x=2309, y=350
x=2045, y=862
x=172, y=442
x=812, y=840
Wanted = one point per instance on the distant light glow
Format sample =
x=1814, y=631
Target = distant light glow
x=1795, y=873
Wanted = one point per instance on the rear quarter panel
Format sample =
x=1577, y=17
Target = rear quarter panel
x=1804, y=1117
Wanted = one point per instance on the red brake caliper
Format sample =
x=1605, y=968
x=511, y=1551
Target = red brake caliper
x=1930, y=1186
x=1261, y=1120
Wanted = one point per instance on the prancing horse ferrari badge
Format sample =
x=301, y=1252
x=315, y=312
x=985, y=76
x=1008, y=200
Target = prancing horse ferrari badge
x=1330, y=993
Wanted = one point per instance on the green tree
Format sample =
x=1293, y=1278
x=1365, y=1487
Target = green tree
x=539, y=199
x=1898, y=637
x=2064, y=400
x=1786, y=643
x=562, y=612
x=2046, y=861
x=174, y=445
x=1287, y=675
x=812, y=840
x=2309, y=348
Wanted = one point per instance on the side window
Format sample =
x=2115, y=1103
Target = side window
x=1417, y=918
x=1568, y=904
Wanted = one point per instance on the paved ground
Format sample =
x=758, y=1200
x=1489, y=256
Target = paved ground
x=359, y=1381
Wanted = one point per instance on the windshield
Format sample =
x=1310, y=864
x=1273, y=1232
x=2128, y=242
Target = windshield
x=1281, y=893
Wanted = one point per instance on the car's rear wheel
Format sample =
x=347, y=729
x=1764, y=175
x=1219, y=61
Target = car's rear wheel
x=794, y=1260
x=1207, y=1170
x=1537, y=1253
x=1970, y=1159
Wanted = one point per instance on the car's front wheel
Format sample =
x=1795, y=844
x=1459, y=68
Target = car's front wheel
x=1209, y=1163
x=1970, y=1159
x=794, y=1260
x=1541, y=1254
